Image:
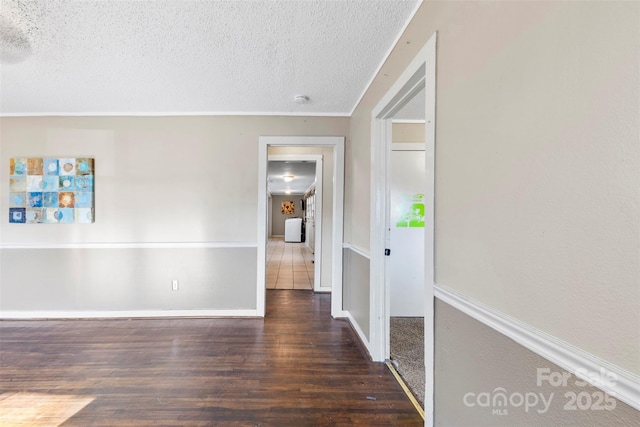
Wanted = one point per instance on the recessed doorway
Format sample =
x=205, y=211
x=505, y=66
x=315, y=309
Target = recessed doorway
x=418, y=76
x=335, y=219
x=294, y=246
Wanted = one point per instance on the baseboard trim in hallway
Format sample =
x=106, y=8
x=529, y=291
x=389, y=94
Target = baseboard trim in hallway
x=132, y=314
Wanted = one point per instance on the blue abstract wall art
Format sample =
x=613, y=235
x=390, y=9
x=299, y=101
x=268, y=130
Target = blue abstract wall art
x=51, y=190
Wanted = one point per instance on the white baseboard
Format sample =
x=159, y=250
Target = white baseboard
x=323, y=289
x=39, y=315
x=341, y=314
x=358, y=330
x=131, y=245
x=626, y=386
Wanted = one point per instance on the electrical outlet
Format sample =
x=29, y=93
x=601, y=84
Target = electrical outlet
x=174, y=285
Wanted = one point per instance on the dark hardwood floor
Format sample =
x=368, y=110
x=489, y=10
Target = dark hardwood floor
x=297, y=367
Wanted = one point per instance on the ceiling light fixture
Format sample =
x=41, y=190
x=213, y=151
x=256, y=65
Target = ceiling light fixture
x=288, y=178
x=301, y=99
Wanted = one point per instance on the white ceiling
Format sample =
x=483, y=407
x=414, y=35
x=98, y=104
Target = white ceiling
x=304, y=174
x=190, y=57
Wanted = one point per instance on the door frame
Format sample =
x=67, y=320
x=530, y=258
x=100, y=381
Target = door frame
x=337, y=143
x=420, y=74
x=317, y=230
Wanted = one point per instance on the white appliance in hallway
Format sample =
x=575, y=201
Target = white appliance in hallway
x=293, y=230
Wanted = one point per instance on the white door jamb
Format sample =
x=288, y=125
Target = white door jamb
x=317, y=229
x=337, y=142
x=418, y=75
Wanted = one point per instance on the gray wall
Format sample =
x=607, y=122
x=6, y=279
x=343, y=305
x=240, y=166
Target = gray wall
x=128, y=279
x=278, y=218
x=471, y=359
x=355, y=290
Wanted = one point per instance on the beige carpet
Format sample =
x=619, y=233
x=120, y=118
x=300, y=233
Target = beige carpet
x=407, y=352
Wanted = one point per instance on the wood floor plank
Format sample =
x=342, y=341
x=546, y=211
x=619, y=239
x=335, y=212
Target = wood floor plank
x=297, y=367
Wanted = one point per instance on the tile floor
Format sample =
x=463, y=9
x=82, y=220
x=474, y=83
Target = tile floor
x=289, y=265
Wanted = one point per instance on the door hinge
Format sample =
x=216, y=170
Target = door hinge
x=387, y=252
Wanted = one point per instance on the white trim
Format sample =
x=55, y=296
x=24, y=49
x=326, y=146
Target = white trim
x=261, y=270
x=410, y=82
x=311, y=187
x=322, y=289
x=386, y=57
x=338, y=228
x=24, y=315
x=381, y=133
x=177, y=113
x=357, y=249
x=419, y=74
x=408, y=146
x=337, y=142
x=626, y=388
x=317, y=226
x=408, y=121
x=293, y=157
x=430, y=226
x=358, y=330
x=132, y=245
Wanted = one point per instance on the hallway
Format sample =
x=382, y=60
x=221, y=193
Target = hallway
x=296, y=367
x=289, y=265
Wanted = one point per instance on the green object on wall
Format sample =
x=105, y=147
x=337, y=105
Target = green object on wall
x=413, y=212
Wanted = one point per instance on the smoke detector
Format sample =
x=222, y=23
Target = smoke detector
x=301, y=99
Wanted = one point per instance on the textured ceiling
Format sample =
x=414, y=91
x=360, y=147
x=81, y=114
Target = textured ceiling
x=182, y=56
x=415, y=109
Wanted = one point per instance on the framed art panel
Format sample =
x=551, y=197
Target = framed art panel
x=51, y=190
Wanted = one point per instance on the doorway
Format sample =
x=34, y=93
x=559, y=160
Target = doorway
x=292, y=181
x=406, y=241
x=335, y=219
x=418, y=76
